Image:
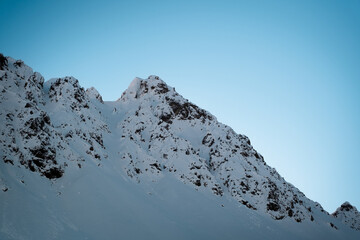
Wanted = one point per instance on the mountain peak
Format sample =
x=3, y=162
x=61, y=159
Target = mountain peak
x=346, y=206
x=94, y=94
x=349, y=215
x=17, y=68
x=139, y=87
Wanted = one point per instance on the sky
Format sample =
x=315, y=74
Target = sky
x=284, y=73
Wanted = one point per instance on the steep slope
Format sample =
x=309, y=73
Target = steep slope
x=163, y=127
x=66, y=153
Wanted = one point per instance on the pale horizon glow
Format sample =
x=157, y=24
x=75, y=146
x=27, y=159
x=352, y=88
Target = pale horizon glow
x=285, y=74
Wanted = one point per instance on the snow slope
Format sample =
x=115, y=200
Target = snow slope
x=149, y=165
x=349, y=215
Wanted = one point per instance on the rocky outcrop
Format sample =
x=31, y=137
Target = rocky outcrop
x=349, y=215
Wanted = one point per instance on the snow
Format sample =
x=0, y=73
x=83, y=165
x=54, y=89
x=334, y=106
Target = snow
x=149, y=165
x=348, y=215
x=94, y=94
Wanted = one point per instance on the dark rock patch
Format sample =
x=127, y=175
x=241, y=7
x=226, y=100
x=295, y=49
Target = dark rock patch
x=3, y=62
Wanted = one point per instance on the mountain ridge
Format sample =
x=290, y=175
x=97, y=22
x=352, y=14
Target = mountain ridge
x=57, y=129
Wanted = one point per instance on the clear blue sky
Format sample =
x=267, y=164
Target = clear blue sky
x=285, y=73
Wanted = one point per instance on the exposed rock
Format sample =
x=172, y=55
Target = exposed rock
x=349, y=215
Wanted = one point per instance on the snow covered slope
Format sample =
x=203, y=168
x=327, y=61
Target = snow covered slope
x=151, y=164
x=349, y=215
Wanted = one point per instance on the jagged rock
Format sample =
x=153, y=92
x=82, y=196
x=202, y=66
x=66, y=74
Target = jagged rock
x=3, y=62
x=349, y=215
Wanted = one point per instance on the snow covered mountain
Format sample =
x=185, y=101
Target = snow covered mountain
x=151, y=164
